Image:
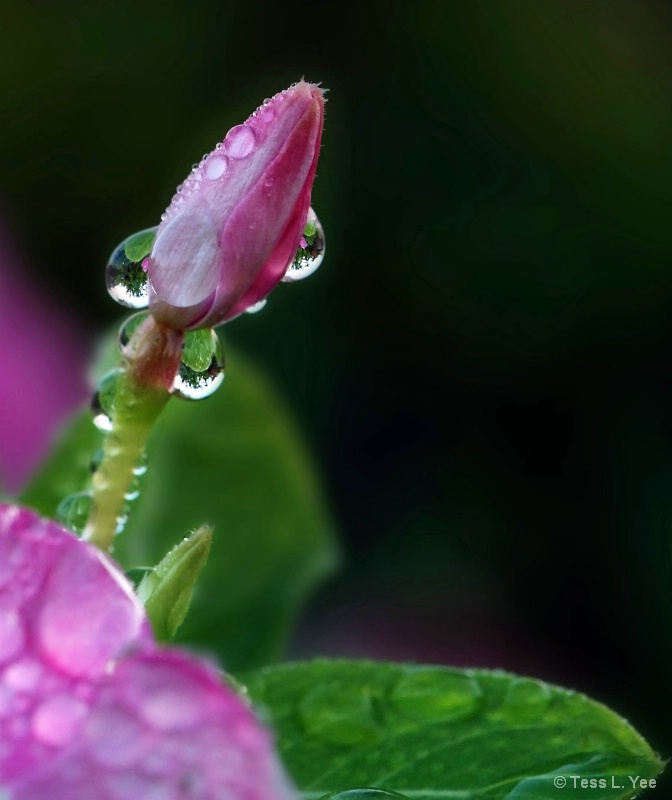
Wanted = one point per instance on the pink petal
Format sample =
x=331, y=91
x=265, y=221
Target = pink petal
x=90, y=706
x=235, y=224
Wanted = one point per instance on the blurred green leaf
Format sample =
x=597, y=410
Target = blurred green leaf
x=233, y=461
x=68, y=468
x=431, y=732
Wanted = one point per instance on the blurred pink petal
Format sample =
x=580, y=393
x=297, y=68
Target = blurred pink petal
x=90, y=706
x=42, y=364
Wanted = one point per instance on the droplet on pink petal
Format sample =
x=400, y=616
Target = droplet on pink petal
x=91, y=707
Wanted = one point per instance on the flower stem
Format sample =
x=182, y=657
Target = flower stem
x=152, y=357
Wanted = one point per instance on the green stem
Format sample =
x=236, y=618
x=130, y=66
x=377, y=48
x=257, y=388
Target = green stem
x=152, y=358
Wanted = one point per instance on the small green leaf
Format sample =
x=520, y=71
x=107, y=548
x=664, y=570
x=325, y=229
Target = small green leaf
x=166, y=590
x=439, y=733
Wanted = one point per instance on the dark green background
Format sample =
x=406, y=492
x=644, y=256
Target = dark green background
x=481, y=366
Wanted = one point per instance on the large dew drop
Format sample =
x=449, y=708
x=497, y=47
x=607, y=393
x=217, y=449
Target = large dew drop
x=201, y=370
x=310, y=254
x=432, y=694
x=239, y=141
x=126, y=274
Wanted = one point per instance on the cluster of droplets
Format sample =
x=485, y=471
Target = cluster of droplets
x=75, y=509
x=126, y=271
x=200, y=374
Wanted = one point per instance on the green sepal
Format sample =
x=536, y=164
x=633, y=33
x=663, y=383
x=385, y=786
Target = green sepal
x=166, y=590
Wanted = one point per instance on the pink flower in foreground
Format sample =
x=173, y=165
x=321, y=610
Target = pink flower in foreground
x=90, y=707
x=236, y=223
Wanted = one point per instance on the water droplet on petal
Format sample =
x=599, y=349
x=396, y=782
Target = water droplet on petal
x=125, y=274
x=340, y=714
x=239, y=141
x=310, y=254
x=215, y=167
x=525, y=701
x=58, y=719
x=11, y=634
x=23, y=675
x=364, y=794
x=115, y=738
x=437, y=694
x=201, y=371
x=74, y=510
x=256, y=307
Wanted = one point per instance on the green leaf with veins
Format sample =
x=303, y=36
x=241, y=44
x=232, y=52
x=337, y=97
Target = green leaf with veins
x=435, y=733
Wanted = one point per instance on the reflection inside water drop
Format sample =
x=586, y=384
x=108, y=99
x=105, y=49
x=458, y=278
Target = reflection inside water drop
x=310, y=254
x=201, y=371
x=428, y=693
x=102, y=402
x=256, y=307
x=74, y=511
x=129, y=327
x=126, y=272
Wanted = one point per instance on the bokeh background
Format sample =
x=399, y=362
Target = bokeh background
x=481, y=367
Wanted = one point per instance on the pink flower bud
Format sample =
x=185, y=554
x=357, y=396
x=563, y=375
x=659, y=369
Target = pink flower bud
x=90, y=706
x=236, y=223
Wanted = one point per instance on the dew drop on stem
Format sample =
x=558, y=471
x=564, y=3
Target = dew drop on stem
x=201, y=370
x=73, y=511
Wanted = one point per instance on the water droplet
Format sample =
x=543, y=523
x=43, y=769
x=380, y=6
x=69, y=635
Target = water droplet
x=115, y=737
x=96, y=460
x=125, y=274
x=133, y=492
x=22, y=676
x=11, y=634
x=310, y=254
x=239, y=141
x=340, y=714
x=201, y=370
x=437, y=694
x=526, y=700
x=256, y=307
x=74, y=510
x=141, y=466
x=102, y=402
x=215, y=167
x=57, y=720
x=364, y=794
x=129, y=327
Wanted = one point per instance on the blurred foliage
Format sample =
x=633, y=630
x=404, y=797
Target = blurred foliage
x=233, y=461
x=489, y=332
